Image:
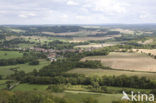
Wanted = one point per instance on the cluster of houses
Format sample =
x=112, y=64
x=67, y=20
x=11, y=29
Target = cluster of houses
x=52, y=54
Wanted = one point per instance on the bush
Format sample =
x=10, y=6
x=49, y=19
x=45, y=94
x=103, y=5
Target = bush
x=153, y=91
x=90, y=100
x=34, y=62
x=56, y=88
x=0, y=77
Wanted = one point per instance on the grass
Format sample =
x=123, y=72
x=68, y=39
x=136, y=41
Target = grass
x=5, y=70
x=127, y=61
x=30, y=87
x=10, y=54
x=95, y=45
x=146, y=51
x=2, y=81
x=78, y=92
x=2, y=84
x=101, y=97
x=103, y=72
x=82, y=39
x=26, y=45
x=42, y=39
x=71, y=94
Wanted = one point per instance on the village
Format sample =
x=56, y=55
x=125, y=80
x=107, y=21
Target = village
x=52, y=54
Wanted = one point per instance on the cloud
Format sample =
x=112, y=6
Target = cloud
x=26, y=15
x=106, y=6
x=72, y=3
x=77, y=11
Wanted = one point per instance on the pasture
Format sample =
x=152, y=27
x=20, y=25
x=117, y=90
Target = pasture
x=146, y=51
x=30, y=87
x=95, y=45
x=10, y=54
x=101, y=97
x=104, y=72
x=74, y=94
x=6, y=70
x=83, y=39
x=126, y=61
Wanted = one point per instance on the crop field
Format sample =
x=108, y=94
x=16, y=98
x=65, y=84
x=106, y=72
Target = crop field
x=10, y=54
x=82, y=39
x=95, y=45
x=11, y=37
x=103, y=72
x=147, y=51
x=37, y=38
x=17, y=30
x=124, y=31
x=127, y=61
x=149, y=41
x=79, y=33
x=6, y=70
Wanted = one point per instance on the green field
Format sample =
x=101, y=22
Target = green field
x=30, y=87
x=2, y=81
x=71, y=94
x=5, y=70
x=102, y=97
x=10, y=54
x=26, y=45
x=104, y=72
x=41, y=39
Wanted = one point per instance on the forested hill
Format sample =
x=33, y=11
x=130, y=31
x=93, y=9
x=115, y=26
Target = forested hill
x=55, y=29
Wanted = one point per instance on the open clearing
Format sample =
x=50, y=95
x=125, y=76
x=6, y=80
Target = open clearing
x=79, y=33
x=5, y=70
x=95, y=45
x=101, y=97
x=30, y=87
x=75, y=95
x=82, y=39
x=124, y=31
x=149, y=41
x=152, y=51
x=127, y=61
x=10, y=54
x=104, y=72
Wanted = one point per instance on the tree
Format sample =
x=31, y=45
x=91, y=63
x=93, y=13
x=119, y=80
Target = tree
x=0, y=77
x=34, y=62
x=90, y=100
x=56, y=88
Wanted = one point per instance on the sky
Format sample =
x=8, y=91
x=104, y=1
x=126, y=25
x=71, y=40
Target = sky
x=77, y=11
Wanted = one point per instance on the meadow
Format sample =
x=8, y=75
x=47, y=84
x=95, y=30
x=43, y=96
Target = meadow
x=79, y=92
x=95, y=45
x=83, y=39
x=74, y=94
x=146, y=51
x=10, y=54
x=5, y=70
x=104, y=72
x=30, y=87
x=127, y=61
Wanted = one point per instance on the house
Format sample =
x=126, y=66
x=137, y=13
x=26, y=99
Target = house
x=52, y=57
